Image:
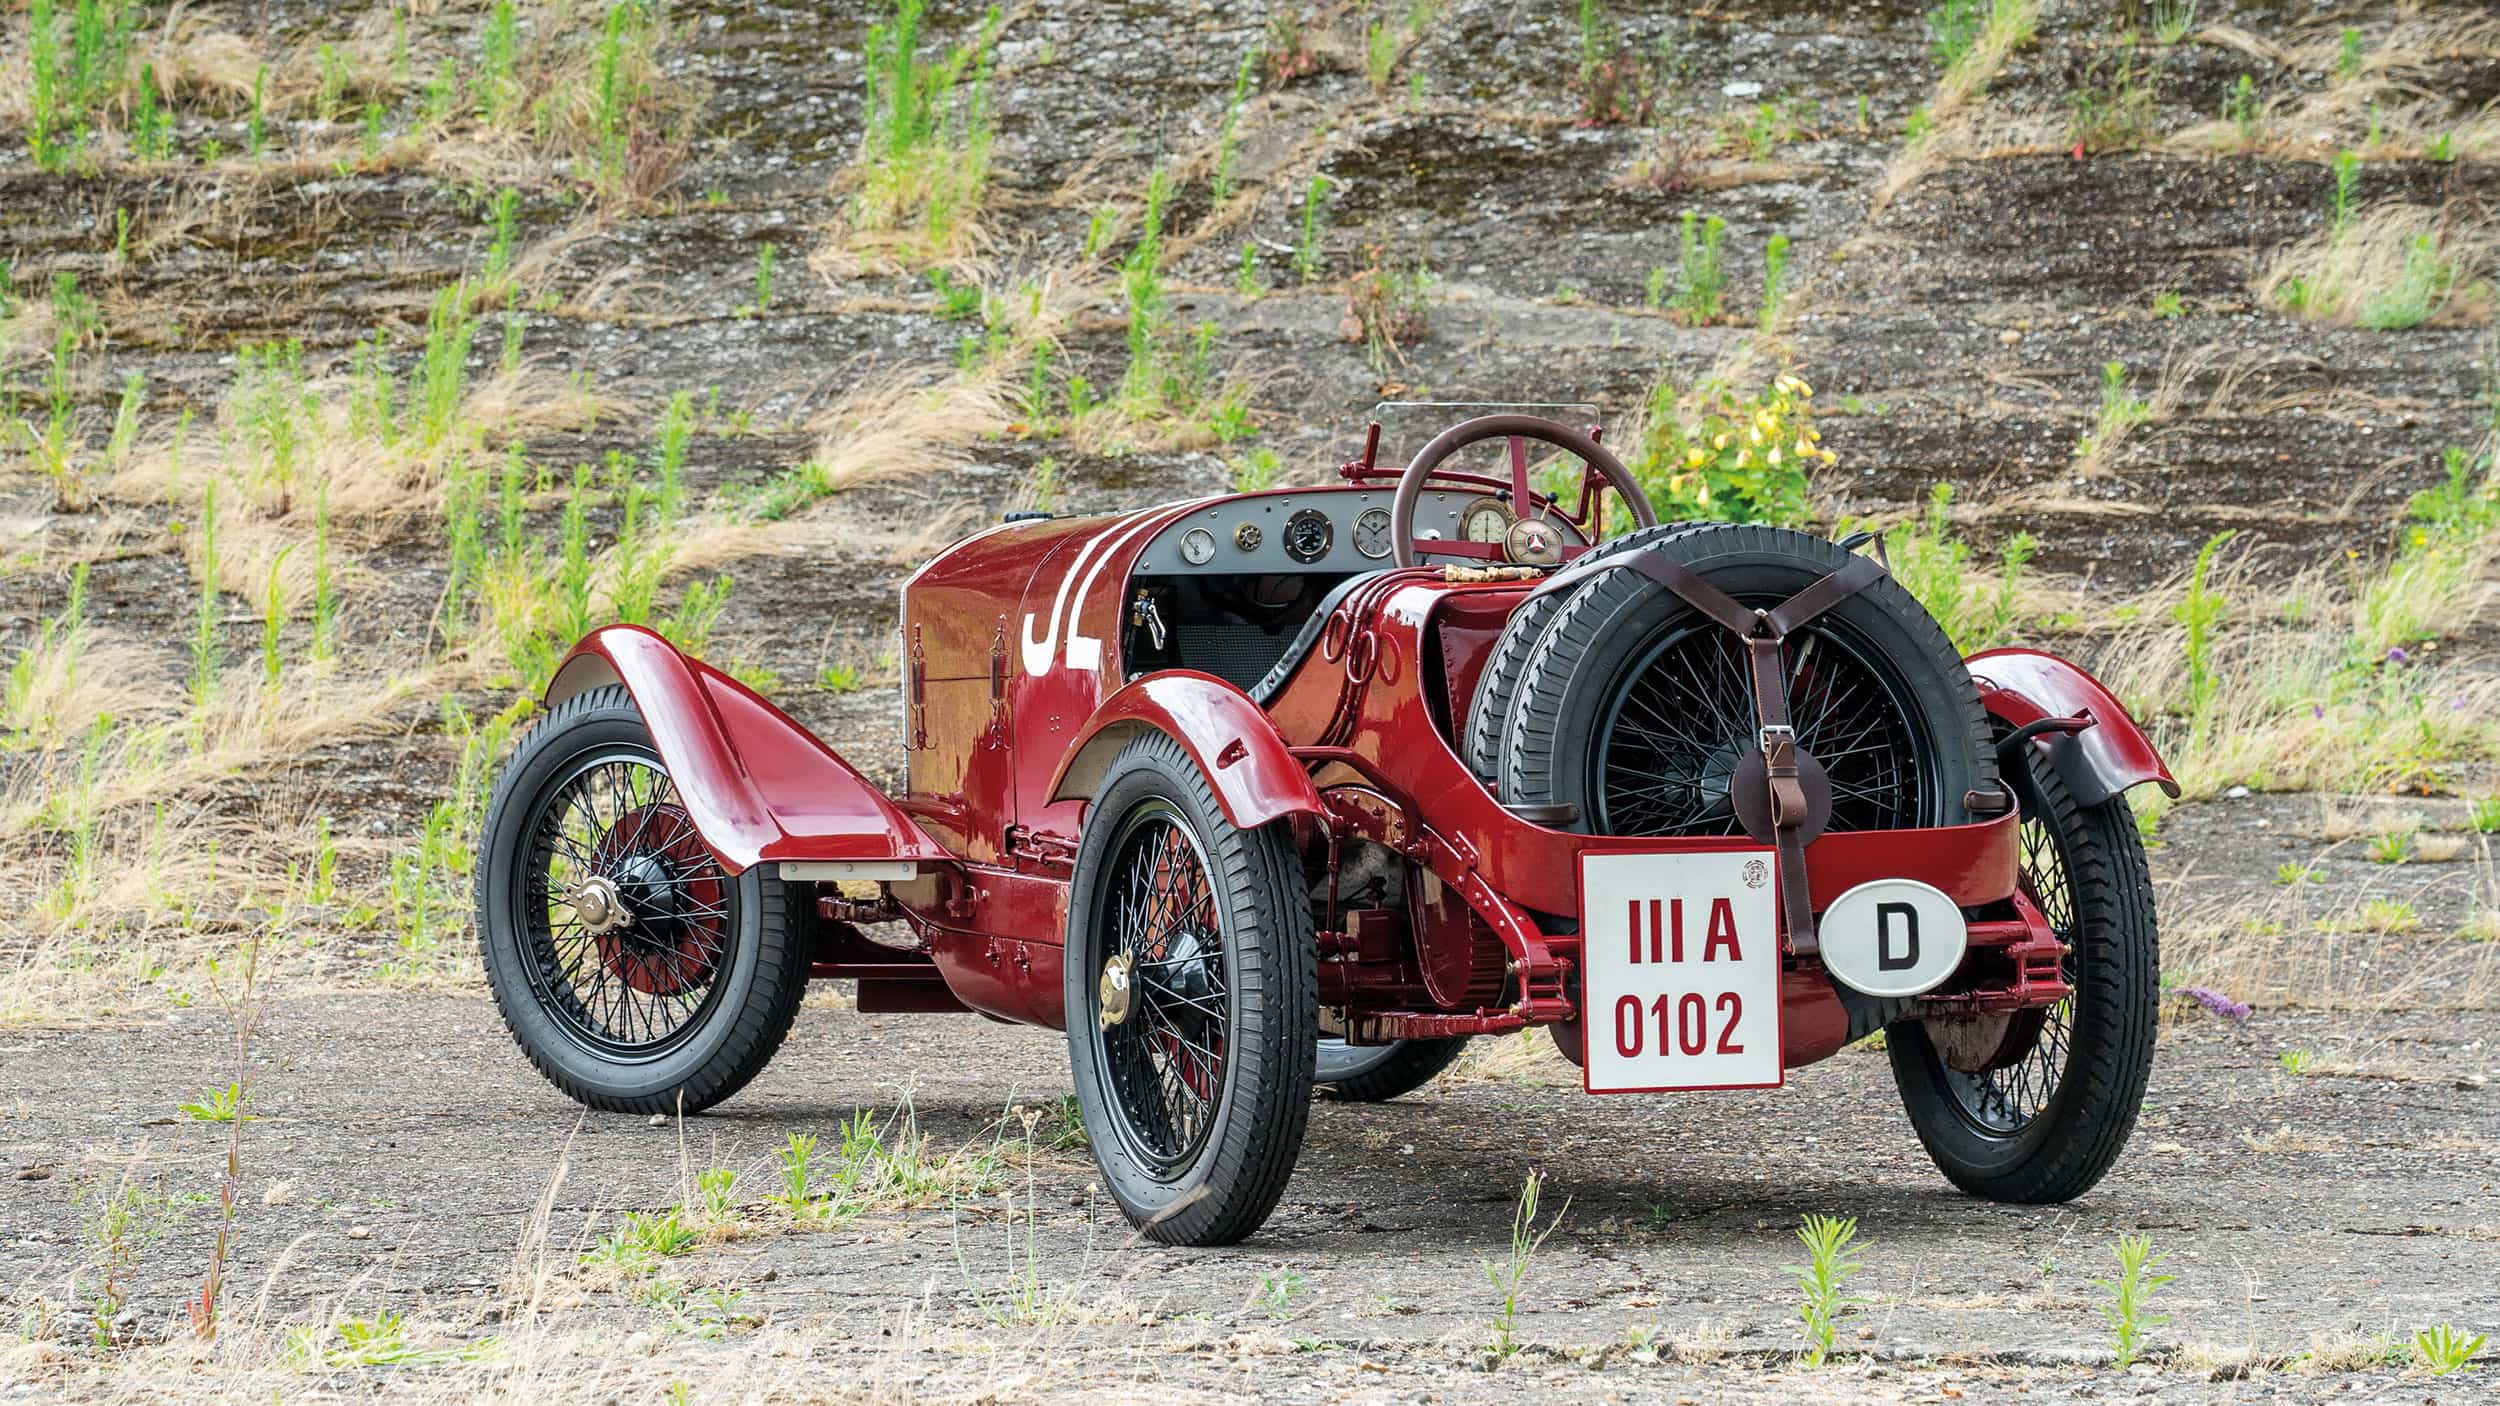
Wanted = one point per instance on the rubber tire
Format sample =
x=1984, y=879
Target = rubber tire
x=1604, y=625
x=768, y=958
x=2076, y=1139
x=1379, y=1073
x=1488, y=719
x=1271, y=968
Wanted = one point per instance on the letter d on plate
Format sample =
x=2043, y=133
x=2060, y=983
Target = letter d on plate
x=1893, y=937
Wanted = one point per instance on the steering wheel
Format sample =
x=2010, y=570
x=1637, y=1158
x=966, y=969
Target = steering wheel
x=1517, y=429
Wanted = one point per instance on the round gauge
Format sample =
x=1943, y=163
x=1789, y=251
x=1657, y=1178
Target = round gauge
x=1484, y=520
x=1246, y=536
x=1371, y=533
x=1534, y=542
x=1197, y=546
x=1308, y=534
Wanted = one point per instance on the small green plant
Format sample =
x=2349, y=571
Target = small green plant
x=2348, y=55
x=1257, y=471
x=2484, y=817
x=2129, y=1310
x=2347, y=176
x=839, y=677
x=1660, y=283
x=2121, y=410
x=2290, y=874
x=1701, y=278
x=1509, y=1276
x=1278, y=1289
x=222, y=1105
x=2394, y=847
x=2172, y=19
x=1935, y=565
x=1774, y=276
x=1307, y=254
x=766, y=254
x=2388, y=916
x=2168, y=306
x=1228, y=138
x=2296, y=1061
x=1831, y=1246
x=1953, y=28
x=636, y=1248
x=120, y=1220
x=2197, y=613
x=1246, y=280
x=2241, y=109
x=2443, y=1348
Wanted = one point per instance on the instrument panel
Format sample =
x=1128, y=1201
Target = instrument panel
x=1337, y=530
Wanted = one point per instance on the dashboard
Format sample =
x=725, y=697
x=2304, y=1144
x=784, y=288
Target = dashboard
x=1329, y=531
x=1242, y=587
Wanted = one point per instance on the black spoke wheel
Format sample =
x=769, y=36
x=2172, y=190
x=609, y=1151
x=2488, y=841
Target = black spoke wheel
x=1191, y=991
x=1637, y=710
x=613, y=837
x=1165, y=1055
x=2036, y=1106
x=633, y=969
x=1663, y=756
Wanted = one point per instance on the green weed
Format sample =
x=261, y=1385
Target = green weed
x=1701, y=277
x=1935, y=566
x=1831, y=1242
x=1307, y=254
x=2443, y=1348
x=1509, y=1276
x=925, y=155
x=2129, y=1313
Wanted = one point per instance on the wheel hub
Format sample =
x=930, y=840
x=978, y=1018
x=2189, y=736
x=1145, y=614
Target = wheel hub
x=599, y=906
x=1115, y=993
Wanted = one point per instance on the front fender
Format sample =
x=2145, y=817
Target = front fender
x=1235, y=745
x=2106, y=759
x=759, y=787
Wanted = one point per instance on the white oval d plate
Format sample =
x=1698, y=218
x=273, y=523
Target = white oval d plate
x=1893, y=937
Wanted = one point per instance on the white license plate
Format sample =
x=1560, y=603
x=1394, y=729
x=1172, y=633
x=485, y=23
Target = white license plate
x=1680, y=971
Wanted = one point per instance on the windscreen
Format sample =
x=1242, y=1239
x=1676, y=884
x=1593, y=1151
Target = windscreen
x=1408, y=425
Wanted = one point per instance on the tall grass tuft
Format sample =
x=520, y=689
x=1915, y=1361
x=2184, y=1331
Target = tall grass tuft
x=924, y=163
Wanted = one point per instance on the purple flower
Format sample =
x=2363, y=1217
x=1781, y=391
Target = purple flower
x=2317, y=710
x=2397, y=655
x=2216, y=1002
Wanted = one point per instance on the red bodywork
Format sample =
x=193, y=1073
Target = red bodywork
x=1016, y=696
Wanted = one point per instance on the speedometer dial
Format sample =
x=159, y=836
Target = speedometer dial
x=1308, y=534
x=1485, y=520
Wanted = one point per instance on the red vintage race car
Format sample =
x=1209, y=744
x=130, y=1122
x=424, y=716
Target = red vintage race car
x=1312, y=785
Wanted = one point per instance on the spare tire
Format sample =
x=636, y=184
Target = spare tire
x=1488, y=718
x=1635, y=708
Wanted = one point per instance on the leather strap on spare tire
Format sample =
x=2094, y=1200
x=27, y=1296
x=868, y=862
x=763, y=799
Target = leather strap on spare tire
x=1793, y=804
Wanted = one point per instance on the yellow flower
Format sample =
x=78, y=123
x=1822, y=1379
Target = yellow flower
x=1830, y=458
x=1719, y=443
x=1697, y=457
x=1775, y=456
x=1703, y=497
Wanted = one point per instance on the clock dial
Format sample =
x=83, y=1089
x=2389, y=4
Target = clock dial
x=1198, y=546
x=1371, y=533
x=1484, y=520
x=1247, y=536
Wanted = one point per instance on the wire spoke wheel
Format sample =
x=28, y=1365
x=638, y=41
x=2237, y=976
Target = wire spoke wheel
x=626, y=916
x=1679, y=721
x=1166, y=1051
x=2008, y=1099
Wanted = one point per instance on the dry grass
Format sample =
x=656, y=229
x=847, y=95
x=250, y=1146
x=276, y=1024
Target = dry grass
x=2395, y=266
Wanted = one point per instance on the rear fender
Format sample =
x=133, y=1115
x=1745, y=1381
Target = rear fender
x=759, y=787
x=2108, y=757
x=1255, y=777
